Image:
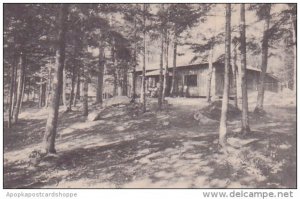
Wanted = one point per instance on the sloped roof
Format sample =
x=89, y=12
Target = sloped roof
x=155, y=71
x=180, y=66
x=193, y=65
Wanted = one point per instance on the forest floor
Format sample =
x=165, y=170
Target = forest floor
x=167, y=149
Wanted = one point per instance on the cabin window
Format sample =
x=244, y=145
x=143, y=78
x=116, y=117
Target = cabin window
x=190, y=80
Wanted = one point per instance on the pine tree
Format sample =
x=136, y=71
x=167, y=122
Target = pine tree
x=11, y=92
x=265, y=13
x=245, y=120
x=51, y=126
x=234, y=70
x=143, y=92
x=20, y=87
x=223, y=120
x=100, y=75
x=160, y=90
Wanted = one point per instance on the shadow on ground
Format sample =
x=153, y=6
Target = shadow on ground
x=154, y=150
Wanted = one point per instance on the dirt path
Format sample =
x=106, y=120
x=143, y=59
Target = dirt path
x=161, y=150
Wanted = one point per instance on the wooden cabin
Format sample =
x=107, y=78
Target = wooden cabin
x=192, y=80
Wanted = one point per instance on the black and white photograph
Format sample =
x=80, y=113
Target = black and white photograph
x=149, y=95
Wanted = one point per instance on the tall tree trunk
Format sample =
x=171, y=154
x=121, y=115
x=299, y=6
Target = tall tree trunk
x=166, y=71
x=160, y=90
x=133, y=86
x=11, y=93
x=33, y=94
x=42, y=93
x=264, y=63
x=294, y=24
x=28, y=90
x=51, y=126
x=245, y=120
x=77, y=93
x=85, y=92
x=14, y=99
x=64, y=88
x=133, y=83
x=99, y=97
x=15, y=89
x=124, y=81
x=234, y=74
x=71, y=99
x=115, y=81
x=75, y=72
x=49, y=82
x=20, y=88
x=174, y=77
x=210, y=72
x=115, y=71
x=143, y=93
x=23, y=91
x=119, y=82
x=223, y=120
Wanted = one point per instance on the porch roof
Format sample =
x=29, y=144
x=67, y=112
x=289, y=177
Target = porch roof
x=155, y=72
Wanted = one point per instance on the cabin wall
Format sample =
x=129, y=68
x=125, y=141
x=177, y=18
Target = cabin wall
x=192, y=91
x=217, y=83
x=271, y=84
